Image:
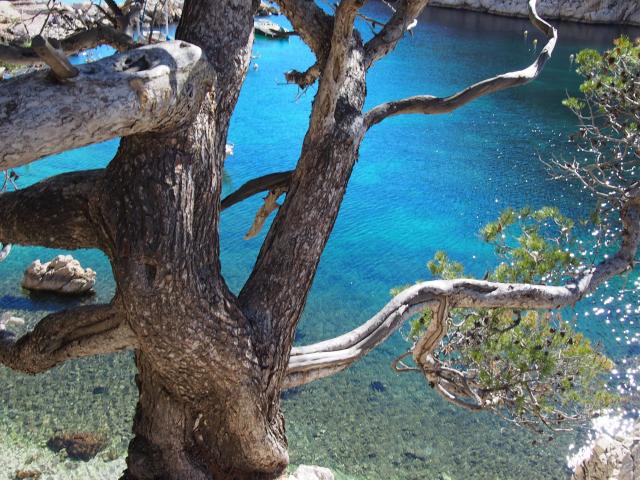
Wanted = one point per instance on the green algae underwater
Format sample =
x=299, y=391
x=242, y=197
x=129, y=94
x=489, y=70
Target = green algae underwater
x=422, y=184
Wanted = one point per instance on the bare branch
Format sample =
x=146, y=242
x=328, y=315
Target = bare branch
x=71, y=45
x=268, y=207
x=148, y=89
x=80, y=332
x=58, y=212
x=427, y=104
x=388, y=38
x=330, y=356
x=50, y=53
x=272, y=181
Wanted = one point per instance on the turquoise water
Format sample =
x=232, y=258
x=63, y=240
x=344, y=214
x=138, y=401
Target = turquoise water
x=421, y=184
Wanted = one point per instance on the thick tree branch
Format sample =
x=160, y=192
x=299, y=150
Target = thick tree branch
x=388, y=38
x=71, y=45
x=311, y=22
x=325, y=358
x=335, y=67
x=427, y=104
x=152, y=88
x=272, y=181
x=58, y=212
x=65, y=335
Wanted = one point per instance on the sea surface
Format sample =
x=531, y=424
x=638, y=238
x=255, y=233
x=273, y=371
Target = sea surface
x=422, y=184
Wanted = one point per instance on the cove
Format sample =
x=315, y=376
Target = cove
x=421, y=184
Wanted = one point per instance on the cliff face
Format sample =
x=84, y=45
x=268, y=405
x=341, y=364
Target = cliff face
x=588, y=11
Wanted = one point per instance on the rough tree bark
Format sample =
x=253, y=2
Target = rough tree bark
x=211, y=365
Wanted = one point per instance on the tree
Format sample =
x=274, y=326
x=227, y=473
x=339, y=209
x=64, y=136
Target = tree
x=211, y=365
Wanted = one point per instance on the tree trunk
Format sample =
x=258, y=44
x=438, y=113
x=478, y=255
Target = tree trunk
x=201, y=413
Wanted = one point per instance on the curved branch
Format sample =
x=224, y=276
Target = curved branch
x=57, y=212
x=325, y=358
x=148, y=89
x=388, y=38
x=71, y=45
x=427, y=104
x=272, y=181
x=61, y=336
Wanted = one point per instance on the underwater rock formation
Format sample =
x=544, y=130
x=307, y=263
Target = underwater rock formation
x=613, y=457
x=80, y=445
x=63, y=274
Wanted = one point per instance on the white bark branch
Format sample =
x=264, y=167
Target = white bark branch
x=325, y=358
x=427, y=104
x=148, y=89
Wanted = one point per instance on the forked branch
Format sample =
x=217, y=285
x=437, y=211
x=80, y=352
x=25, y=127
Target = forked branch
x=325, y=358
x=427, y=104
x=61, y=336
x=388, y=38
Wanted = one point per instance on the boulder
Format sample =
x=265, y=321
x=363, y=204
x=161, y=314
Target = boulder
x=612, y=457
x=63, y=274
x=8, y=13
x=310, y=472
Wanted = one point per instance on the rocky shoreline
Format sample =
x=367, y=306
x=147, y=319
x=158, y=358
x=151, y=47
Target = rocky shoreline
x=626, y=12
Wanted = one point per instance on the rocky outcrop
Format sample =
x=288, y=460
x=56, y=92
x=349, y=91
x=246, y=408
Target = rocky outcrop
x=613, y=457
x=63, y=274
x=588, y=11
x=308, y=472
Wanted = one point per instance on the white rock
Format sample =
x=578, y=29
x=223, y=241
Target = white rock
x=309, y=472
x=6, y=319
x=63, y=274
x=612, y=457
x=8, y=12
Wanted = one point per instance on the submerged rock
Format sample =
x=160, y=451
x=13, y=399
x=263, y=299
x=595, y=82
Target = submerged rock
x=377, y=386
x=63, y=274
x=310, y=472
x=80, y=445
x=31, y=474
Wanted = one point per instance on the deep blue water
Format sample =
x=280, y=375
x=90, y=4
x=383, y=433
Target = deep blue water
x=421, y=184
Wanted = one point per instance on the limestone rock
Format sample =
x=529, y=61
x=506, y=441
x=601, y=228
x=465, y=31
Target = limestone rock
x=8, y=12
x=612, y=457
x=309, y=472
x=588, y=11
x=63, y=274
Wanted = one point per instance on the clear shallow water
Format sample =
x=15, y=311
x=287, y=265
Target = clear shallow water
x=421, y=184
